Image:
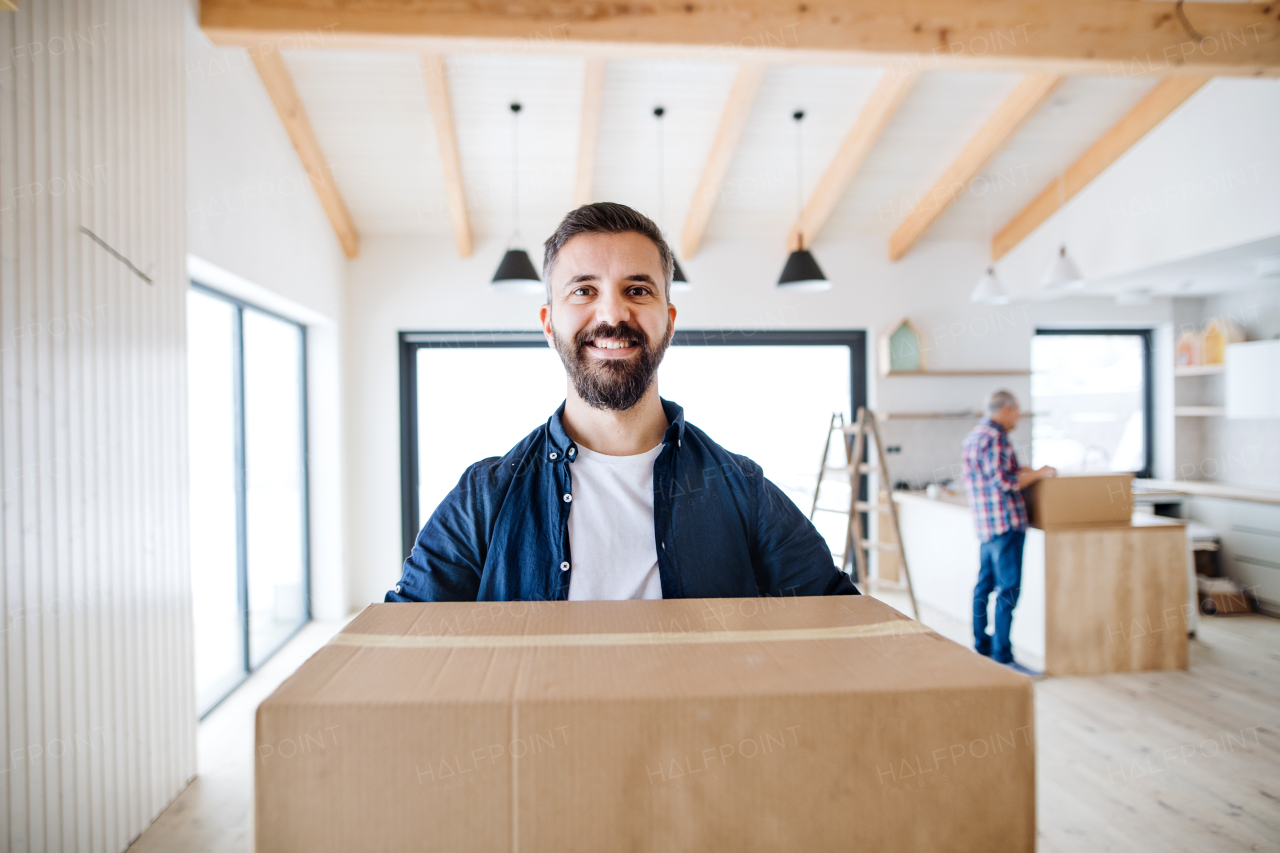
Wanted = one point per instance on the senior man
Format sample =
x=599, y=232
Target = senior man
x=616, y=496
x=994, y=482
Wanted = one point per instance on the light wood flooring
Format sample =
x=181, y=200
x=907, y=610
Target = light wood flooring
x=1167, y=761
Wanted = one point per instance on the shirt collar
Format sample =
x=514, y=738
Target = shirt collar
x=993, y=424
x=558, y=440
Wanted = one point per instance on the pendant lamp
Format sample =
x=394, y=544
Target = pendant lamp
x=801, y=274
x=679, y=284
x=516, y=272
x=989, y=290
x=1062, y=273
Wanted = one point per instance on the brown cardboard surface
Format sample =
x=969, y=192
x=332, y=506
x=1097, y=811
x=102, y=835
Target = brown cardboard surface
x=724, y=724
x=1076, y=499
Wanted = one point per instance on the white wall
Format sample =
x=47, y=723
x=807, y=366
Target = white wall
x=257, y=231
x=97, y=687
x=402, y=284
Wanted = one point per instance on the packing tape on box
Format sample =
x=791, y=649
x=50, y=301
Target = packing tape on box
x=894, y=628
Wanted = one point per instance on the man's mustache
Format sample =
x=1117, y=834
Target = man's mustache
x=622, y=332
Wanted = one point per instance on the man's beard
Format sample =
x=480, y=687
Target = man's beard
x=611, y=383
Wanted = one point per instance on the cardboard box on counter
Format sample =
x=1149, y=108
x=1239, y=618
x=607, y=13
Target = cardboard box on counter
x=683, y=725
x=1080, y=499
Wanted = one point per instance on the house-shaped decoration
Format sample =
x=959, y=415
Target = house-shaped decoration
x=902, y=349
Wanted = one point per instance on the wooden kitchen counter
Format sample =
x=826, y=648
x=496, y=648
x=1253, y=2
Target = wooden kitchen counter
x=1115, y=597
x=1095, y=598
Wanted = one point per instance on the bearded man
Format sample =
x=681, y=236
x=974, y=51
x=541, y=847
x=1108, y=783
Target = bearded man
x=616, y=496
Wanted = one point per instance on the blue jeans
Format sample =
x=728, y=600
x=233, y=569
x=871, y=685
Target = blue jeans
x=1000, y=572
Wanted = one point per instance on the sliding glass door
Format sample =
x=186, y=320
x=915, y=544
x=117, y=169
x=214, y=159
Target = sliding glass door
x=247, y=413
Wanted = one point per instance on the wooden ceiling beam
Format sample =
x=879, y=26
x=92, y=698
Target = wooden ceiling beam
x=1154, y=108
x=1111, y=37
x=589, y=130
x=436, y=76
x=1026, y=98
x=275, y=76
x=885, y=99
x=732, y=121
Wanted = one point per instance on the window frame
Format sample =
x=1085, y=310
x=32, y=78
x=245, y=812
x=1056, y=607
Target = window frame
x=411, y=342
x=1148, y=389
x=241, y=474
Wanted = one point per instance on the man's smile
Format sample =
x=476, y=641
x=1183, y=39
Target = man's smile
x=612, y=347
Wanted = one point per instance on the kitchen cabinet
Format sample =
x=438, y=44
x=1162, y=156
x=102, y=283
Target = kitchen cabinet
x=1095, y=598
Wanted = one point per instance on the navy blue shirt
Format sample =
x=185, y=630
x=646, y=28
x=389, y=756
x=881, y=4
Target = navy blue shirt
x=721, y=529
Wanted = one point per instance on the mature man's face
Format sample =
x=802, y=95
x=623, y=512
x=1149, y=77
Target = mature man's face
x=609, y=317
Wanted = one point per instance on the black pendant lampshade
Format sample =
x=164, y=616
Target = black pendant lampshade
x=517, y=272
x=679, y=284
x=802, y=273
x=680, y=274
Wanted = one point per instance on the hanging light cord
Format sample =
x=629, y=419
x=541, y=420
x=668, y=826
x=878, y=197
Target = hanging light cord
x=798, y=115
x=515, y=174
x=658, y=112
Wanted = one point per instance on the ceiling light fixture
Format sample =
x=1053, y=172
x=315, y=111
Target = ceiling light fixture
x=989, y=290
x=801, y=273
x=679, y=284
x=516, y=272
x=1062, y=274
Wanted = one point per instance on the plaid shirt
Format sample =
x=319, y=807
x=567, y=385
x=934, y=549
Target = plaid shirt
x=991, y=480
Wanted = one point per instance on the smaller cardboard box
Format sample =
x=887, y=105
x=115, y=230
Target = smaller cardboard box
x=1080, y=499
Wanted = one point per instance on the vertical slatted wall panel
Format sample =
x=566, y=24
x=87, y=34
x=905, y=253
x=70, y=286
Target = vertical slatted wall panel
x=96, y=681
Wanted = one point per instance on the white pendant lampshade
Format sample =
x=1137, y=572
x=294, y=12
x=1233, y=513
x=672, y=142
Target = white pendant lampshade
x=989, y=291
x=1062, y=273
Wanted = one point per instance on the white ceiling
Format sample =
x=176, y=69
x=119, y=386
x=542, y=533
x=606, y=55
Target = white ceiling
x=370, y=115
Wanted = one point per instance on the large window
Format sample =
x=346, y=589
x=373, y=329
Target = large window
x=247, y=433
x=1091, y=396
x=767, y=395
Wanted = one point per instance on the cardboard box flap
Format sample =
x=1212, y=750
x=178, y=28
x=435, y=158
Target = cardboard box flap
x=561, y=651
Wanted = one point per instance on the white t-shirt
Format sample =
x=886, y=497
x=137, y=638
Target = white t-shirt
x=611, y=542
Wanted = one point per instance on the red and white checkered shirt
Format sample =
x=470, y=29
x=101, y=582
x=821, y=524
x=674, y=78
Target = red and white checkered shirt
x=991, y=480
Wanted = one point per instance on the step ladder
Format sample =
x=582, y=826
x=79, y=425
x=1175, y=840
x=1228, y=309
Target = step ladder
x=854, y=438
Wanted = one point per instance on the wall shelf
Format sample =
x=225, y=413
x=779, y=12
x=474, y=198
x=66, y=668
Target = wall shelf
x=1198, y=370
x=1199, y=411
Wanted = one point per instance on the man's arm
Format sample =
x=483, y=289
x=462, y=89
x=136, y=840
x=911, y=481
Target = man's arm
x=448, y=557
x=791, y=556
x=1027, y=476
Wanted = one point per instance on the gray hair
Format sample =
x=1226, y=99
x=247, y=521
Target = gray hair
x=606, y=217
x=998, y=400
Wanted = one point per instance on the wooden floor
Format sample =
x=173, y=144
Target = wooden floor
x=1169, y=761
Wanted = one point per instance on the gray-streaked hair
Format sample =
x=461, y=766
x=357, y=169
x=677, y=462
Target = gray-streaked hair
x=606, y=217
x=998, y=400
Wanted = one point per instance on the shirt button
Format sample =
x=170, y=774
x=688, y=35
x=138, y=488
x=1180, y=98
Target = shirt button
x=568, y=498
x=572, y=450
x=564, y=567
x=397, y=589
x=554, y=456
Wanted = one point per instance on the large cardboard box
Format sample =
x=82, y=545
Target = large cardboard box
x=687, y=725
x=1080, y=499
